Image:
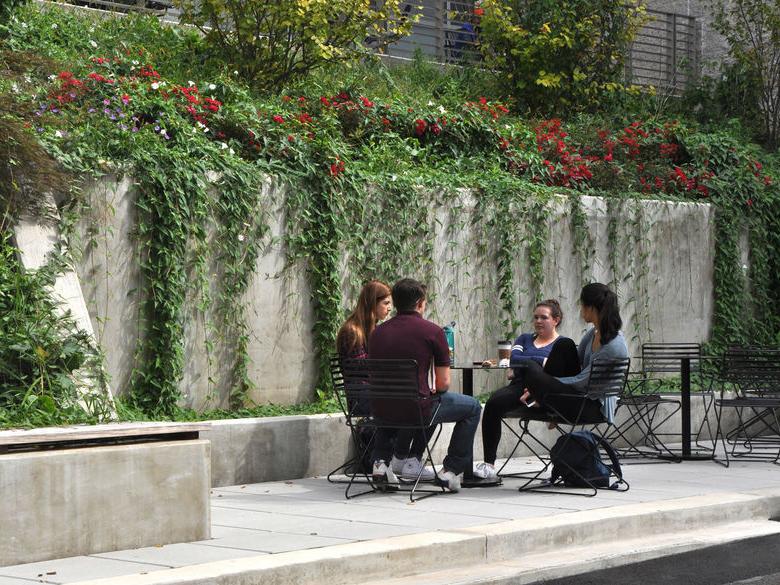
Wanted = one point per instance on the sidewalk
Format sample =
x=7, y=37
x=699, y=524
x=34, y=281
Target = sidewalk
x=307, y=523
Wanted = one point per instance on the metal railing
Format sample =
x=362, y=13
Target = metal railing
x=666, y=53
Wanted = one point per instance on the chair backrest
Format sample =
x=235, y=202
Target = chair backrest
x=665, y=357
x=392, y=386
x=753, y=370
x=608, y=377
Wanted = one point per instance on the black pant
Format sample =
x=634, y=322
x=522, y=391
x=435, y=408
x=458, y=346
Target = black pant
x=562, y=361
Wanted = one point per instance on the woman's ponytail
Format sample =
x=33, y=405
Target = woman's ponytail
x=600, y=297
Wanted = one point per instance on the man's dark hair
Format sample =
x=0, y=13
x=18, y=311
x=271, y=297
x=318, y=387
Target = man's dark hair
x=407, y=292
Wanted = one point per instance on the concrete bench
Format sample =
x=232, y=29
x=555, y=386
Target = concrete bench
x=71, y=491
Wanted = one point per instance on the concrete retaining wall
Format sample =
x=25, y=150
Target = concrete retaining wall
x=666, y=297
x=65, y=503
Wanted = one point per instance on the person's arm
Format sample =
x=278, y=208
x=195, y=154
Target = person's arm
x=441, y=362
x=442, y=374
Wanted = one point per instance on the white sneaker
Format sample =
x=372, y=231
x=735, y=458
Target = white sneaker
x=486, y=470
x=449, y=480
x=412, y=469
x=382, y=474
x=397, y=465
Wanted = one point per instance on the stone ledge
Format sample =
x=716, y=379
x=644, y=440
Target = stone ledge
x=63, y=503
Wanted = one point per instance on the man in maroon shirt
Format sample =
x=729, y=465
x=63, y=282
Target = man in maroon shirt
x=409, y=336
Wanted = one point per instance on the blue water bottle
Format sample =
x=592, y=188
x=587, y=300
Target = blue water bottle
x=449, y=333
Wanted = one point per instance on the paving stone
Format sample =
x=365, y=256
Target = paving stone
x=260, y=541
x=178, y=555
x=77, y=569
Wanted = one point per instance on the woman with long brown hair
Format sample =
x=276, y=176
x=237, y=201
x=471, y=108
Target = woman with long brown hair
x=374, y=304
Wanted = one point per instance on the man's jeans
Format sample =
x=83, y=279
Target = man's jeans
x=464, y=411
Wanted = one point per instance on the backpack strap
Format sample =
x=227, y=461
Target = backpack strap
x=613, y=458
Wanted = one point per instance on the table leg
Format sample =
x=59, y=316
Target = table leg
x=685, y=399
x=685, y=413
x=467, y=381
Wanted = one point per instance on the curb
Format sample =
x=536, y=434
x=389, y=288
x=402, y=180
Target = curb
x=420, y=553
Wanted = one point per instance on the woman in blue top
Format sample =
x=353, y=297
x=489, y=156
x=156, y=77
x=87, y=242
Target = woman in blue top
x=555, y=354
x=598, y=306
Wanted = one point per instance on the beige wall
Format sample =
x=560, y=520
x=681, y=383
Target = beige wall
x=667, y=297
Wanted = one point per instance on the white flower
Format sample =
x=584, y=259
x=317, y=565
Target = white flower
x=212, y=87
x=135, y=62
x=190, y=83
x=52, y=77
x=241, y=237
x=93, y=44
x=393, y=178
x=231, y=151
x=235, y=72
x=155, y=85
x=442, y=110
x=24, y=25
x=200, y=124
x=223, y=145
x=14, y=88
x=58, y=134
x=205, y=129
x=54, y=26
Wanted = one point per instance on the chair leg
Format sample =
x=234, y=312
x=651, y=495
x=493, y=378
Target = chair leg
x=719, y=433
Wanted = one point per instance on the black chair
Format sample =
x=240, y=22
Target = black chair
x=606, y=382
x=647, y=409
x=354, y=407
x=389, y=388
x=750, y=386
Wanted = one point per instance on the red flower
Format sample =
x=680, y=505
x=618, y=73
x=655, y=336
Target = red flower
x=336, y=168
x=385, y=122
x=366, y=102
x=608, y=157
x=420, y=126
x=767, y=180
x=278, y=119
x=749, y=202
x=324, y=101
x=125, y=99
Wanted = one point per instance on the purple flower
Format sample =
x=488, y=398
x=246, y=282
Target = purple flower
x=55, y=111
x=38, y=113
x=107, y=112
x=122, y=127
x=39, y=129
x=91, y=111
x=156, y=128
x=73, y=95
x=112, y=117
x=135, y=129
x=106, y=102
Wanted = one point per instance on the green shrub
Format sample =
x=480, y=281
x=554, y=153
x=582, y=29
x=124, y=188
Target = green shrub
x=559, y=55
x=39, y=349
x=272, y=42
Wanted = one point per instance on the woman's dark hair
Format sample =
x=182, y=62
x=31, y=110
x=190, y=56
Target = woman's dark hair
x=601, y=298
x=555, y=309
x=407, y=292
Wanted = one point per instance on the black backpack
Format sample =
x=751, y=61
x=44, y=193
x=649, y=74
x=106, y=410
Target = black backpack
x=575, y=458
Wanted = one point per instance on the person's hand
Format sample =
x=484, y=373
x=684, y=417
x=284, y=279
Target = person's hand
x=527, y=399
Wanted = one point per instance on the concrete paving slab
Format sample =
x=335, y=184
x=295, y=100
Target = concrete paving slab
x=15, y=581
x=261, y=541
x=177, y=555
x=77, y=569
x=314, y=526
